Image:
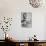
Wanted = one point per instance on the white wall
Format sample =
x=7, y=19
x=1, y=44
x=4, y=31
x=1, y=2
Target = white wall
x=45, y=28
x=13, y=8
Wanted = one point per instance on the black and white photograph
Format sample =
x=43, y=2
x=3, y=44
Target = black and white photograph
x=26, y=19
x=35, y=3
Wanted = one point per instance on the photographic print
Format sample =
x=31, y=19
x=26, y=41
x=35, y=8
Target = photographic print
x=26, y=19
x=36, y=3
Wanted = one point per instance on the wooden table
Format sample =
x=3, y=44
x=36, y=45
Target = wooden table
x=31, y=43
x=28, y=43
